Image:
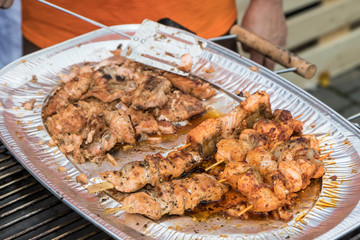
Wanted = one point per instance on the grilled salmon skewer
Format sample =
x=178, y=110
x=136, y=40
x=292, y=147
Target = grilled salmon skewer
x=175, y=197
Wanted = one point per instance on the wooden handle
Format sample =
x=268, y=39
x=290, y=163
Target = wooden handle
x=274, y=52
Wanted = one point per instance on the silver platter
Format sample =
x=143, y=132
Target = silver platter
x=333, y=212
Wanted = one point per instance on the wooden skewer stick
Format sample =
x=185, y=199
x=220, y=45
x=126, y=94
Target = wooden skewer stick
x=99, y=187
x=214, y=165
x=183, y=147
x=222, y=180
x=117, y=209
x=245, y=210
x=326, y=155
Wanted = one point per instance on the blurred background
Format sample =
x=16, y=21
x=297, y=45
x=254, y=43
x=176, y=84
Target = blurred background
x=326, y=33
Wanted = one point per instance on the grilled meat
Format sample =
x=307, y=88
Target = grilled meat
x=72, y=90
x=209, y=132
x=175, y=197
x=237, y=149
x=68, y=120
x=244, y=178
x=193, y=86
x=181, y=107
x=151, y=93
x=153, y=170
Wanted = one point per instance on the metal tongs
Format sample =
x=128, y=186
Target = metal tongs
x=164, y=47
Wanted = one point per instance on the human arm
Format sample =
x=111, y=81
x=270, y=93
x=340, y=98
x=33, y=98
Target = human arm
x=265, y=18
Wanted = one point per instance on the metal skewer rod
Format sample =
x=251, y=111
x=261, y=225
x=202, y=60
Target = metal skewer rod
x=84, y=18
x=286, y=70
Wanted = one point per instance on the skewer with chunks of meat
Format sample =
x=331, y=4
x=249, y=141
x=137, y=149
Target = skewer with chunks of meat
x=210, y=132
x=175, y=197
x=155, y=168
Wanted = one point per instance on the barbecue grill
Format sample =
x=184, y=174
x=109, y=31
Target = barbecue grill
x=30, y=211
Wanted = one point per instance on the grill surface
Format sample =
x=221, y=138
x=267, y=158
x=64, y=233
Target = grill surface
x=29, y=211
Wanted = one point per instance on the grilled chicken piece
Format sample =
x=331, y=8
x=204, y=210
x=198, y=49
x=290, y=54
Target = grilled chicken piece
x=285, y=119
x=264, y=162
x=166, y=127
x=298, y=162
x=192, y=86
x=175, y=197
x=230, y=150
x=209, y=132
x=103, y=141
x=72, y=90
x=185, y=63
x=280, y=129
x=153, y=170
x=235, y=150
x=244, y=178
x=151, y=93
x=120, y=124
x=143, y=122
x=70, y=144
x=111, y=83
x=181, y=107
x=68, y=120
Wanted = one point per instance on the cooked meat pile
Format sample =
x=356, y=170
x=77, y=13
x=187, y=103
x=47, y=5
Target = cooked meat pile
x=119, y=101
x=261, y=154
x=264, y=156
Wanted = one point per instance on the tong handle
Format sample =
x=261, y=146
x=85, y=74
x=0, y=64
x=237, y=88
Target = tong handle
x=274, y=52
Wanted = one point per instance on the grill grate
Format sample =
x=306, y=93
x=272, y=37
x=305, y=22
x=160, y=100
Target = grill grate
x=29, y=211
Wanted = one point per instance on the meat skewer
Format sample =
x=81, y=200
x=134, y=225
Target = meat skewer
x=208, y=133
x=153, y=170
x=175, y=197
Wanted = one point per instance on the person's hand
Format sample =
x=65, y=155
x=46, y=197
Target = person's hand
x=6, y=3
x=265, y=18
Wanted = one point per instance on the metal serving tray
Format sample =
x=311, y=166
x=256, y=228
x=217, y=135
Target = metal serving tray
x=334, y=212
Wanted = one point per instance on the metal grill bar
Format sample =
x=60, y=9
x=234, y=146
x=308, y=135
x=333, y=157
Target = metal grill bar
x=57, y=228
x=10, y=173
x=20, y=198
x=71, y=231
x=42, y=197
x=14, y=181
x=29, y=211
x=4, y=158
x=47, y=221
x=17, y=190
x=7, y=166
x=26, y=216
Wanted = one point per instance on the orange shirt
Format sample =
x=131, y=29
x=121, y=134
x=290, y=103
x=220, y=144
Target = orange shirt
x=45, y=26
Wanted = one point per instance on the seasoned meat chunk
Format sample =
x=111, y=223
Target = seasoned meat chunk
x=192, y=86
x=151, y=93
x=111, y=83
x=143, y=122
x=71, y=91
x=181, y=107
x=68, y=120
x=120, y=124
